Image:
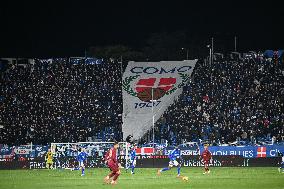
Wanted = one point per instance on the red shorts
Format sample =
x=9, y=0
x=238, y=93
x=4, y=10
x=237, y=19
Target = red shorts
x=113, y=167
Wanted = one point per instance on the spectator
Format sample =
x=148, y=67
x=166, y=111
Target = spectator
x=59, y=101
x=243, y=100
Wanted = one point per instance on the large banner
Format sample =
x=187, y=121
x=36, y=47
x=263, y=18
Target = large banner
x=149, y=88
x=247, y=151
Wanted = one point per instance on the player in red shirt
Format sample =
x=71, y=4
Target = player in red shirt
x=113, y=165
x=206, y=157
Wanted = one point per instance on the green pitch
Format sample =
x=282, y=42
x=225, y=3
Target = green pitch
x=219, y=178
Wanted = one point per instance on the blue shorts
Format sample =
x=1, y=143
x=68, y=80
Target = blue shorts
x=133, y=162
x=81, y=163
x=173, y=163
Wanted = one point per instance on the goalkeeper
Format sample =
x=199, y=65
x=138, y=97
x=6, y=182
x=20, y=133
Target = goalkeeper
x=49, y=159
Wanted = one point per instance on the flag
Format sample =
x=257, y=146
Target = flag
x=149, y=88
x=261, y=152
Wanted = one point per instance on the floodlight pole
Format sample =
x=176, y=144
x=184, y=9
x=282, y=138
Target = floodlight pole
x=121, y=72
x=121, y=77
x=186, y=52
x=210, y=56
x=235, y=43
x=212, y=50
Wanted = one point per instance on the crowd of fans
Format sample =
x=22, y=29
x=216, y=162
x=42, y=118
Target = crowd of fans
x=228, y=102
x=60, y=100
x=237, y=101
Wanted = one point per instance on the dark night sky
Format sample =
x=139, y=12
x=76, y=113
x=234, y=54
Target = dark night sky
x=64, y=28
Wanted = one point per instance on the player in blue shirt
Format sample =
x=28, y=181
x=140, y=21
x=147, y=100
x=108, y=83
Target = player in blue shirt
x=81, y=157
x=173, y=156
x=132, y=159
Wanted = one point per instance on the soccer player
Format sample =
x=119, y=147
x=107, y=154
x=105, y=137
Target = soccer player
x=132, y=159
x=173, y=156
x=49, y=159
x=206, y=157
x=81, y=157
x=113, y=165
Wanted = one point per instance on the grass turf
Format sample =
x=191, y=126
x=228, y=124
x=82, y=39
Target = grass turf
x=219, y=178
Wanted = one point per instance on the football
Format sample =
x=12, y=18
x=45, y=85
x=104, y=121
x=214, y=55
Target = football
x=185, y=179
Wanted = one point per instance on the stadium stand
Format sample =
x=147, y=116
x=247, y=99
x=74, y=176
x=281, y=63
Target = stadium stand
x=233, y=101
x=58, y=100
